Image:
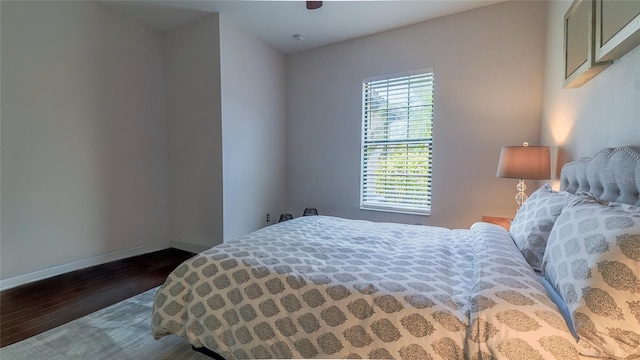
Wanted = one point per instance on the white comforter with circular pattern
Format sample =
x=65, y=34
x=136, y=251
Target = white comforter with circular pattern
x=326, y=287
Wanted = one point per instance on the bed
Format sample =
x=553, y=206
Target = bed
x=326, y=287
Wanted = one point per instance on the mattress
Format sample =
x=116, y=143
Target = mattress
x=326, y=287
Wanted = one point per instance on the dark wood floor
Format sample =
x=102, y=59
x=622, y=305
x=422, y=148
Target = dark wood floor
x=33, y=308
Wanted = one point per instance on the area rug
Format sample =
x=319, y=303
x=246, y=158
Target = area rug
x=121, y=331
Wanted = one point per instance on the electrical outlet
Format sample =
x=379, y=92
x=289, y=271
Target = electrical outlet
x=268, y=217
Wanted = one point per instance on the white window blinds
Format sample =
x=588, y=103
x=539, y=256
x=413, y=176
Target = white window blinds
x=397, y=116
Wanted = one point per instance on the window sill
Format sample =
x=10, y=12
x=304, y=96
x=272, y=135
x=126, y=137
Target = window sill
x=395, y=210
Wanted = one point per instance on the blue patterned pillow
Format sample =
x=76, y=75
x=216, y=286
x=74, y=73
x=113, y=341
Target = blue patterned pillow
x=533, y=222
x=593, y=261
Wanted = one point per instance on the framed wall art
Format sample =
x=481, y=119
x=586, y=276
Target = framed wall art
x=617, y=28
x=580, y=63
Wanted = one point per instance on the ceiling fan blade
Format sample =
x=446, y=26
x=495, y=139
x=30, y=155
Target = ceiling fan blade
x=312, y=5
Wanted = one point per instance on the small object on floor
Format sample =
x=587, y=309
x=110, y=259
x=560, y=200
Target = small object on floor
x=285, y=217
x=310, y=211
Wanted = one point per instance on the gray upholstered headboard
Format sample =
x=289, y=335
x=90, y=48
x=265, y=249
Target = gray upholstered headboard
x=612, y=174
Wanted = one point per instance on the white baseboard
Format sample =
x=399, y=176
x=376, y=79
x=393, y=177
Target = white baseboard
x=97, y=260
x=81, y=264
x=194, y=248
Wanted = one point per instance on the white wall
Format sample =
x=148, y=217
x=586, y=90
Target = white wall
x=112, y=137
x=488, y=82
x=253, y=130
x=84, y=123
x=84, y=169
x=195, y=133
x=604, y=112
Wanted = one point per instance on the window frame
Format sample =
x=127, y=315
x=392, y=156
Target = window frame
x=397, y=207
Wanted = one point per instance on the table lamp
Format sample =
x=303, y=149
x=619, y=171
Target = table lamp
x=524, y=162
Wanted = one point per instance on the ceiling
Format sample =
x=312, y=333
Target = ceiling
x=276, y=22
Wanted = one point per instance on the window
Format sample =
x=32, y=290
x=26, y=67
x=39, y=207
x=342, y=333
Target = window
x=397, y=117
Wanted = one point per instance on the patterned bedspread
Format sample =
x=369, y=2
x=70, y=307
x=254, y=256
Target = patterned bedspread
x=325, y=287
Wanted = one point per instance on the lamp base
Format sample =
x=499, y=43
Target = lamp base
x=521, y=196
